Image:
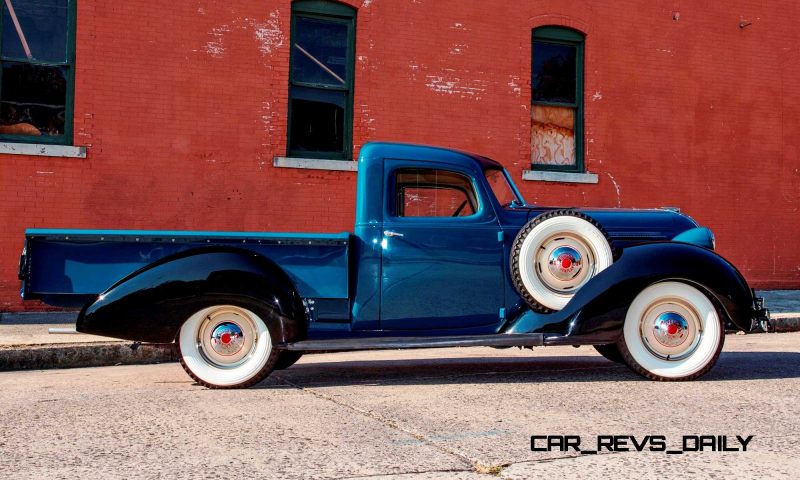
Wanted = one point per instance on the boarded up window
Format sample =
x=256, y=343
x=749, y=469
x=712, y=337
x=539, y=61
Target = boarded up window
x=556, y=99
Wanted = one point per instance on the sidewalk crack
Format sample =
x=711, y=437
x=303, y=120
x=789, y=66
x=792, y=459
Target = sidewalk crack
x=387, y=422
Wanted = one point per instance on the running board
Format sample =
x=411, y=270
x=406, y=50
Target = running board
x=388, y=343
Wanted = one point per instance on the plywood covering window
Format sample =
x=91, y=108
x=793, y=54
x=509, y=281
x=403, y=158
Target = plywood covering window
x=37, y=52
x=557, y=99
x=321, y=80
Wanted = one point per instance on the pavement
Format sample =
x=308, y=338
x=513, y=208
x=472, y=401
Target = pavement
x=462, y=413
x=26, y=344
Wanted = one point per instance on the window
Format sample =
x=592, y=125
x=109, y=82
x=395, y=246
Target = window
x=37, y=52
x=423, y=192
x=557, y=99
x=321, y=80
x=501, y=187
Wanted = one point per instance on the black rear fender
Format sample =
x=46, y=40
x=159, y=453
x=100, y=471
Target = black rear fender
x=151, y=304
x=597, y=311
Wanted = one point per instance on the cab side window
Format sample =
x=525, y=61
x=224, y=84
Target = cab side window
x=427, y=192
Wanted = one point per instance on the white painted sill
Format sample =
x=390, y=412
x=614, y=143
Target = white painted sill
x=562, y=177
x=42, y=150
x=315, y=164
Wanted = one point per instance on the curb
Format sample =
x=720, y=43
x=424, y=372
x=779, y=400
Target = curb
x=39, y=357
x=785, y=322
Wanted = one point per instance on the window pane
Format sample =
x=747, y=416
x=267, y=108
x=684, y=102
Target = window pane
x=434, y=193
x=500, y=187
x=33, y=99
x=553, y=73
x=317, y=120
x=552, y=135
x=319, y=52
x=42, y=28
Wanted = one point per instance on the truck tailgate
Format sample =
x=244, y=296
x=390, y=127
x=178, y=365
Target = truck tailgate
x=69, y=267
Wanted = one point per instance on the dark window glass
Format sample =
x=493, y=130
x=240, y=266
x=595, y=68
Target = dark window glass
x=553, y=72
x=33, y=99
x=319, y=52
x=40, y=30
x=317, y=120
x=434, y=193
x=320, y=80
x=36, y=70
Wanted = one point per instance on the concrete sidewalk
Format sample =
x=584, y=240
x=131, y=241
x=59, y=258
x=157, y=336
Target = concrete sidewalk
x=26, y=344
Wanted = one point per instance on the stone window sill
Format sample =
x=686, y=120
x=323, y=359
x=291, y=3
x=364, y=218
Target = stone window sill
x=562, y=177
x=315, y=164
x=42, y=150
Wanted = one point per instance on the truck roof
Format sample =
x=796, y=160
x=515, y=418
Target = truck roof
x=375, y=151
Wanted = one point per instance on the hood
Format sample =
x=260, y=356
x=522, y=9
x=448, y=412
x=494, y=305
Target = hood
x=631, y=225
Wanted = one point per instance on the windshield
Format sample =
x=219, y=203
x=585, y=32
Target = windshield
x=500, y=184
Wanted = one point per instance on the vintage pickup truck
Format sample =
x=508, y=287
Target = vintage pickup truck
x=445, y=252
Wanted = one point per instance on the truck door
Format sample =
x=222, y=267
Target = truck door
x=442, y=256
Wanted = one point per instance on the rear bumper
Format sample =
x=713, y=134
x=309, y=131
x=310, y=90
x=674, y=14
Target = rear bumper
x=759, y=316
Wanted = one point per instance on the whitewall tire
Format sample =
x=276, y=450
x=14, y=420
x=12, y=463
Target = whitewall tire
x=554, y=255
x=226, y=346
x=672, y=331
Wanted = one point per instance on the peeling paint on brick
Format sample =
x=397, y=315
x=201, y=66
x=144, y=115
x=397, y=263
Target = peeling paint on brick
x=514, y=84
x=216, y=47
x=597, y=96
x=366, y=3
x=452, y=85
x=269, y=34
x=458, y=49
x=616, y=187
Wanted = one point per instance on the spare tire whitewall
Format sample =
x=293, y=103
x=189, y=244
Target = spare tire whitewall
x=226, y=346
x=554, y=255
x=672, y=331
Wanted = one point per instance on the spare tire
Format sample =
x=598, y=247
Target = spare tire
x=554, y=255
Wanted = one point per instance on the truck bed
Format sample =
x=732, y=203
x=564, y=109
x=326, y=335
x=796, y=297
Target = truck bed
x=69, y=267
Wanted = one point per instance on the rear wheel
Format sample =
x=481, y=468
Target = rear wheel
x=227, y=346
x=672, y=331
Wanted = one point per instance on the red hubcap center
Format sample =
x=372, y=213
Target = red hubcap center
x=672, y=329
x=566, y=262
x=226, y=338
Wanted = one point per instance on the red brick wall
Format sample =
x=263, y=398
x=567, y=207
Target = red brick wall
x=183, y=106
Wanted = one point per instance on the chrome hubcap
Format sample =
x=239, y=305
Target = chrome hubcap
x=564, y=263
x=226, y=337
x=671, y=329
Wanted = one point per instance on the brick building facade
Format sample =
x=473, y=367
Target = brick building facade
x=184, y=111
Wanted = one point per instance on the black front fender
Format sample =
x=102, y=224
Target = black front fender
x=597, y=311
x=150, y=304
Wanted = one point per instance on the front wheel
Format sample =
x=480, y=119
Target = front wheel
x=672, y=332
x=227, y=346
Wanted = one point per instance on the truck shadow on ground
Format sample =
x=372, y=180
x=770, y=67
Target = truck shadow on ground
x=469, y=370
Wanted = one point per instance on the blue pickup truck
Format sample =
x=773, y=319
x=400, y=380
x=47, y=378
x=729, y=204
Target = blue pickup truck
x=445, y=252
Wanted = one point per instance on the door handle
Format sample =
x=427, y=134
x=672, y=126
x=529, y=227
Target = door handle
x=390, y=233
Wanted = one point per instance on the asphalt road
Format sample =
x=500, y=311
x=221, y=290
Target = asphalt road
x=449, y=413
